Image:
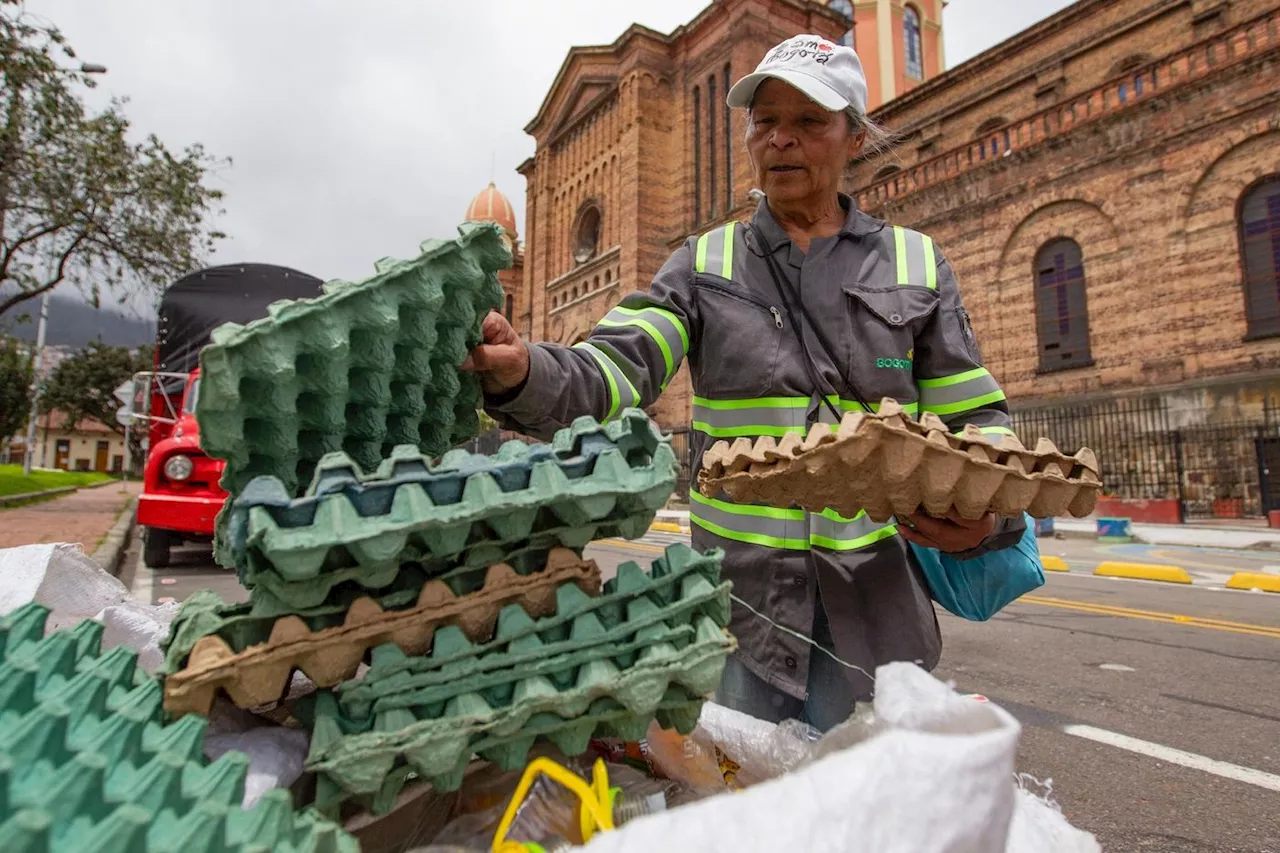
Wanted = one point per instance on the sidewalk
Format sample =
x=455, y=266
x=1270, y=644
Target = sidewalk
x=84, y=516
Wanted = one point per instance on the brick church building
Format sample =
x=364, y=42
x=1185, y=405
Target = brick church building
x=1105, y=183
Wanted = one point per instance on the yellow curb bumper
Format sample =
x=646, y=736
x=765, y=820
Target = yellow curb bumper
x=1254, y=580
x=1054, y=564
x=1143, y=571
x=666, y=527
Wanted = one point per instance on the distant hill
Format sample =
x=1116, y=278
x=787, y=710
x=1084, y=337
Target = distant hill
x=74, y=322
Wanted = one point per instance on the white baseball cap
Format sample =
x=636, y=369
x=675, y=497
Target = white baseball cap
x=827, y=73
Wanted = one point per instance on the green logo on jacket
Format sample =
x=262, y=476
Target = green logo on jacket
x=896, y=363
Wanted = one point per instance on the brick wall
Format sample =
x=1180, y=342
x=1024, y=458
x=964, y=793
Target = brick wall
x=1150, y=193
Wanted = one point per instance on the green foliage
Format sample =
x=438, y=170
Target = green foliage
x=15, y=387
x=82, y=385
x=78, y=200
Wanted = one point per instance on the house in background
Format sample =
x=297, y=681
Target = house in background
x=84, y=446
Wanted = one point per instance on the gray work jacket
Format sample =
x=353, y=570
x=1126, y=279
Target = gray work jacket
x=889, y=306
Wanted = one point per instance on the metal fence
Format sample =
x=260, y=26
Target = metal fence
x=1146, y=451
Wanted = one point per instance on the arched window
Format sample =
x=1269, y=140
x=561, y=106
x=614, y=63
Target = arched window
x=1062, y=315
x=845, y=8
x=884, y=172
x=586, y=233
x=912, y=48
x=712, y=197
x=1260, y=255
x=510, y=304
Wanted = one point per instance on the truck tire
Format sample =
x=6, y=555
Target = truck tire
x=155, y=548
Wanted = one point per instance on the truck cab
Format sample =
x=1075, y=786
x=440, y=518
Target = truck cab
x=180, y=493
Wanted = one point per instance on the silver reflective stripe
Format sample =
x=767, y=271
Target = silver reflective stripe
x=775, y=416
x=714, y=251
x=660, y=324
x=622, y=394
x=916, y=260
x=834, y=532
x=786, y=529
x=753, y=525
x=960, y=392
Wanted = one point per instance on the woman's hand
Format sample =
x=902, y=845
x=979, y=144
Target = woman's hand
x=502, y=360
x=950, y=535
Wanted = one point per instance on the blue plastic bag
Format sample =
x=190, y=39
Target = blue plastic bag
x=978, y=589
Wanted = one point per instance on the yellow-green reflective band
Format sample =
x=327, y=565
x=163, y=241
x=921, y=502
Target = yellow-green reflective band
x=726, y=269
x=772, y=416
x=666, y=331
x=700, y=257
x=930, y=263
x=753, y=525
x=790, y=529
x=613, y=376
x=900, y=244
x=915, y=251
x=960, y=392
x=855, y=544
x=716, y=255
x=993, y=430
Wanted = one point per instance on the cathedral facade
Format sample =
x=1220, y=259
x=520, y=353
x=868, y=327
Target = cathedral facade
x=1106, y=185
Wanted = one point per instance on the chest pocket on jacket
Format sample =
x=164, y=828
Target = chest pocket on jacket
x=741, y=334
x=885, y=324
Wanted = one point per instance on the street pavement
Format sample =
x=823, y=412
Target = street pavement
x=84, y=516
x=1150, y=711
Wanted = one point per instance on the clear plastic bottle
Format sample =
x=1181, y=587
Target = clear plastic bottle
x=549, y=820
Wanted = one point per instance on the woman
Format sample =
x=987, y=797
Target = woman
x=810, y=310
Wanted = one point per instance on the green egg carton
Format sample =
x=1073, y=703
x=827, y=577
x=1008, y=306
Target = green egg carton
x=592, y=481
x=87, y=763
x=360, y=369
x=652, y=645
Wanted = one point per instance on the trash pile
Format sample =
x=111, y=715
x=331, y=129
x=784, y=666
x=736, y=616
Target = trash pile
x=422, y=621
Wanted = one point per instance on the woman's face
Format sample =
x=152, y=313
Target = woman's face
x=797, y=148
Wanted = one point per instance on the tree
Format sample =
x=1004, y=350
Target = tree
x=78, y=200
x=82, y=386
x=15, y=387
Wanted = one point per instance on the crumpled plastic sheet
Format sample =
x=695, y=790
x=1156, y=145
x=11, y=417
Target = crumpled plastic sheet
x=925, y=770
x=74, y=588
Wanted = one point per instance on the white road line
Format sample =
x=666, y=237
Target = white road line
x=1270, y=781
x=144, y=583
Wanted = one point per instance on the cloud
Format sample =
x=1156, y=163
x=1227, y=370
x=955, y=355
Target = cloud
x=358, y=130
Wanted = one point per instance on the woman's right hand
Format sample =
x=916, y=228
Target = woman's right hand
x=502, y=360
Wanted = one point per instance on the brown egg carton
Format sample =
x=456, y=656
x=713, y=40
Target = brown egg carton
x=891, y=465
x=260, y=674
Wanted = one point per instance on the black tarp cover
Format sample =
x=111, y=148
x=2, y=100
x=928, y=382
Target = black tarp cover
x=196, y=304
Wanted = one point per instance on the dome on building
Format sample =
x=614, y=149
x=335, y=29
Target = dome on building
x=492, y=206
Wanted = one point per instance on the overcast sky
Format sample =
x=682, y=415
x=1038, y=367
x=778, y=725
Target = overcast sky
x=357, y=130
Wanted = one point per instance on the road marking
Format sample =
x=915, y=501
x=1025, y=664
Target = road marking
x=1154, y=616
x=1116, y=667
x=1226, y=770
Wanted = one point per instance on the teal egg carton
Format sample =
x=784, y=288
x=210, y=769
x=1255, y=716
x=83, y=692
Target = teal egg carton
x=652, y=645
x=360, y=369
x=88, y=764
x=468, y=510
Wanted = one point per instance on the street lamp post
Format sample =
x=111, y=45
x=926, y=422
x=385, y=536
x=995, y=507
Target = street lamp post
x=38, y=362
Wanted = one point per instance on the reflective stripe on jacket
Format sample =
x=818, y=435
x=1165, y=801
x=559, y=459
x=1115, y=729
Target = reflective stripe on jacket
x=887, y=301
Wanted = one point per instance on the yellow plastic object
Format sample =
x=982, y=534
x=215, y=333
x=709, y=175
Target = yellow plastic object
x=595, y=812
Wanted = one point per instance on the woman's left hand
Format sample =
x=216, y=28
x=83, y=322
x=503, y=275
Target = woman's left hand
x=950, y=535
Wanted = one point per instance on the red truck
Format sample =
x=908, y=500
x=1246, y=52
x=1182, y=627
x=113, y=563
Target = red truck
x=181, y=495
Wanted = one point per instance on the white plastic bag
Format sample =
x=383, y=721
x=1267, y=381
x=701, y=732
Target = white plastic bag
x=140, y=627
x=59, y=576
x=276, y=756
x=932, y=772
